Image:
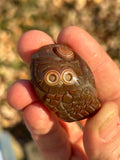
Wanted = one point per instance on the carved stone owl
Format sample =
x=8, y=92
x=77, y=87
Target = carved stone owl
x=64, y=82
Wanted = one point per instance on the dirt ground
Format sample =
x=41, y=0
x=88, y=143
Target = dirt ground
x=101, y=18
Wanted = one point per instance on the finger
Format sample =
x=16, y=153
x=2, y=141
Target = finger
x=21, y=94
x=30, y=42
x=50, y=137
x=106, y=73
x=76, y=139
x=102, y=133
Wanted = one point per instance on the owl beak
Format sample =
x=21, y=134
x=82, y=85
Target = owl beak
x=60, y=83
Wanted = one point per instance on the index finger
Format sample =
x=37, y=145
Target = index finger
x=30, y=42
x=106, y=73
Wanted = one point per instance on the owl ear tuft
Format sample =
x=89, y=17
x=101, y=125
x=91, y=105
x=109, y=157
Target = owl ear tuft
x=64, y=52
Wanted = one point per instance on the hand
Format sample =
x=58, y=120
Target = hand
x=60, y=140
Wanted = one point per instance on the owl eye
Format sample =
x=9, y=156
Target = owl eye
x=52, y=77
x=68, y=76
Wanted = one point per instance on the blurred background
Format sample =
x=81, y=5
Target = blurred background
x=101, y=18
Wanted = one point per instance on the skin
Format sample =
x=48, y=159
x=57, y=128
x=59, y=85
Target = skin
x=66, y=141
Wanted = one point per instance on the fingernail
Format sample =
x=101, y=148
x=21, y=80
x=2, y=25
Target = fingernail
x=110, y=127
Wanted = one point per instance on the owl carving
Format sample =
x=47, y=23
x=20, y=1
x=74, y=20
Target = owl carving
x=64, y=82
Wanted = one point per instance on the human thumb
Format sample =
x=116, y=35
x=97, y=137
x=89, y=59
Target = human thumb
x=102, y=133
